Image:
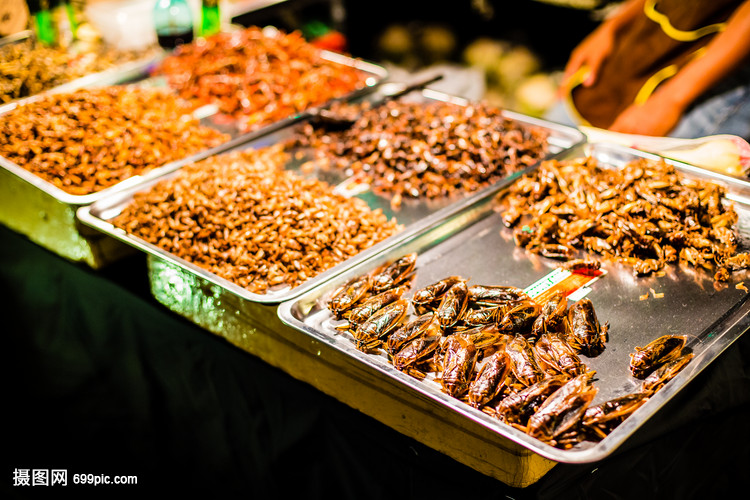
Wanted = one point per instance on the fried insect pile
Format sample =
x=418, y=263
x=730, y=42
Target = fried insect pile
x=258, y=76
x=491, y=346
x=243, y=217
x=427, y=150
x=645, y=215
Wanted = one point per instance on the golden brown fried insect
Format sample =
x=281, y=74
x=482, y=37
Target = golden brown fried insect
x=429, y=296
x=492, y=295
x=372, y=333
x=360, y=313
x=453, y=304
x=656, y=353
x=424, y=325
x=348, y=295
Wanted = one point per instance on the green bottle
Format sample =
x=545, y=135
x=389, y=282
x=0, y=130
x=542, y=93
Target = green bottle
x=210, y=18
x=44, y=28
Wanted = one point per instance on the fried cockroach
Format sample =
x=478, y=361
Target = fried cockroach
x=584, y=333
x=666, y=372
x=372, y=333
x=490, y=379
x=453, y=304
x=563, y=410
x=393, y=273
x=430, y=295
x=349, y=294
x=459, y=356
x=656, y=353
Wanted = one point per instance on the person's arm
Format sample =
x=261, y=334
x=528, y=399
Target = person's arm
x=661, y=112
x=595, y=48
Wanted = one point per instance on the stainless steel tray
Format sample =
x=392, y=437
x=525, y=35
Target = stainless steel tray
x=475, y=244
x=45, y=213
x=414, y=215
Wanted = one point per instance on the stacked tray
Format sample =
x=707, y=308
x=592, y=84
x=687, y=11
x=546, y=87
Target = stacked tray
x=475, y=244
x=251, y=322
x=46, y=214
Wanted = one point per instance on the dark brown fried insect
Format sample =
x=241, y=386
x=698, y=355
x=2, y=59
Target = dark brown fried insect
x=453, y=304
x=656, y=353
x=349, y=294
x=416, y=353
x=524, y=365
x=516, y=408
x=372, y=333
x=666, y=372
x=557, y=356
x=585, y=334
x=600, y=420
x=429, y=296
x=423, y=325
x=393, y=273
x=552, y=316
x=563, y=410
x=490, y=379
x=519, y=318
x=459, y=356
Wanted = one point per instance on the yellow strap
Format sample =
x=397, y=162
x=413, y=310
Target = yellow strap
x=649, y=9
x=648, y=88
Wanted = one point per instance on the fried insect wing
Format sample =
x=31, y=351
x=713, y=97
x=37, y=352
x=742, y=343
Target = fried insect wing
x=656, y=353
x=490, y=379
x=585, y=334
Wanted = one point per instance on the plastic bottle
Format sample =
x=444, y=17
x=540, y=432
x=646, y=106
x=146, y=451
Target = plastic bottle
x=210, y=17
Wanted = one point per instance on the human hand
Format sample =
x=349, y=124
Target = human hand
x=656, y=117
x=590, y=54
